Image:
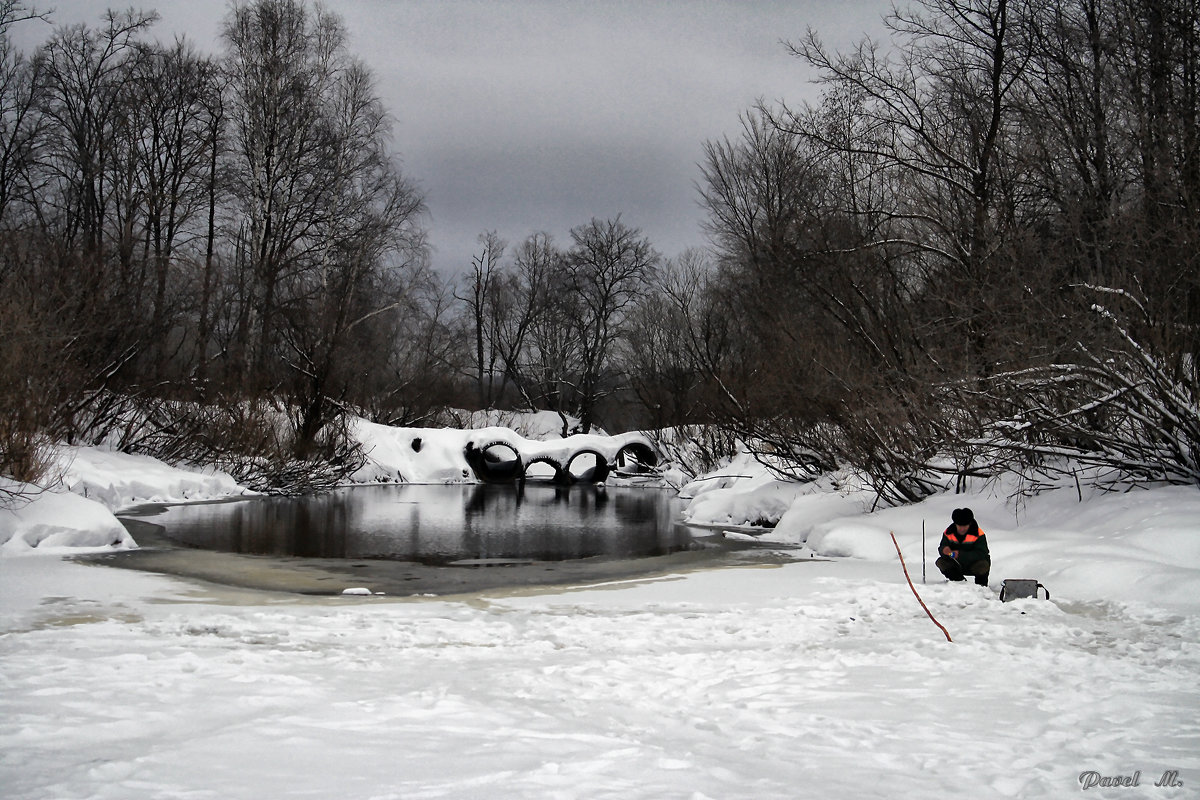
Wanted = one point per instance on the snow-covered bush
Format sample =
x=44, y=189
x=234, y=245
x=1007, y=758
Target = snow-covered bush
x=255, y=441
x=695, y=449
x=1129, y=407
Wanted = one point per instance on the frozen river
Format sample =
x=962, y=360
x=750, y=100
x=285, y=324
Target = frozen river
x=425, y=539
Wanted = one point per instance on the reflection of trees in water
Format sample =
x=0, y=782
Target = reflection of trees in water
x=312, y=527
x=320, y=529
x=437, y=524
x=542, y=522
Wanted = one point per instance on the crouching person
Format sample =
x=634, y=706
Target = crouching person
x=963, y=550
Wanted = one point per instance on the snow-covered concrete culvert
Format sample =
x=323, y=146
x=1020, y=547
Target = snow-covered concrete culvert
x=494, y=462
x=452, y=455
x=504, y=457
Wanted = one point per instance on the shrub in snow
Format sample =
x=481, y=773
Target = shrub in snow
x=1129, y=407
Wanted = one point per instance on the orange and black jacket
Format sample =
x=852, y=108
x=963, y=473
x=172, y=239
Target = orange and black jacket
x=971, y=546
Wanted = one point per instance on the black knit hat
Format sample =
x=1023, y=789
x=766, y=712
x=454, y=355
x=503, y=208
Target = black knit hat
x=962, y=516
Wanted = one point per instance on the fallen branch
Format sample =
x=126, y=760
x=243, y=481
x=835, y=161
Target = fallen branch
x=914, y=589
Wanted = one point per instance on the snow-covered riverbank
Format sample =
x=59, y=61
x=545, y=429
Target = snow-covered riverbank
x=821, y=679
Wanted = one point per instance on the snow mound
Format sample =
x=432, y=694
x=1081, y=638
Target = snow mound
x=119, y=480
x=77, y=515
x=57, y=523
x=746, y=493
x=413, y=455
x=530, y=424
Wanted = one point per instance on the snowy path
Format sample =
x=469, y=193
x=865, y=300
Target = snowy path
x=821, y=680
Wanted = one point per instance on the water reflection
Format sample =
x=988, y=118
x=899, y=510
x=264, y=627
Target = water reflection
x=440, y=524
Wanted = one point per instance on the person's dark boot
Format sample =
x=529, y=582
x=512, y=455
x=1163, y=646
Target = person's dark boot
x=950, y=568
x=981, y=580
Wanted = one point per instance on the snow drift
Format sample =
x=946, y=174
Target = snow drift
x=58, y=522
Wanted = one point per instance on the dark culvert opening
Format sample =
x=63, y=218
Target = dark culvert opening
x=497, y=462
x=636, y=457
x=587, y=466
x=544, y=468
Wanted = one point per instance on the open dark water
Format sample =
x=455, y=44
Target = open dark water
x=420, y=540
x=437, y=525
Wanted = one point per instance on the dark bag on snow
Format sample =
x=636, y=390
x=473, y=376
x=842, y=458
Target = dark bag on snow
x=1016, y=588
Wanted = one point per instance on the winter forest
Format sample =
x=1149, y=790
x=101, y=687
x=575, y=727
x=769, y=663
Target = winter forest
x=979, y=251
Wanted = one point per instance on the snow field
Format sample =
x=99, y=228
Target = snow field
x=814, y=683
x=811, y=679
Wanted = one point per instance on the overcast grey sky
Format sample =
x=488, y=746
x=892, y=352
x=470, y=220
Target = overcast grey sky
x=528, y=115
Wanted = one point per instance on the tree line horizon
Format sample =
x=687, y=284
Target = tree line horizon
x=976, y=251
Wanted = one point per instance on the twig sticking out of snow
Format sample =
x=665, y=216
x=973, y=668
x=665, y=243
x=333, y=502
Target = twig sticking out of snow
x=914, y=589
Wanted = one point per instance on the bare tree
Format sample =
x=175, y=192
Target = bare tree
x=84, y=210
x=1071, y=106
x=20, y=123
x=214, y=108
x=172, y=95
x=416, y=354
x=674, y=341
x=283, y=58
x=550, y=357
x=482, y=285
x=166, y=218
x=608, y=268
x=941, y=112
x=521, y=298
x=84, y=70
x=369, y=231
x=325, y=212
